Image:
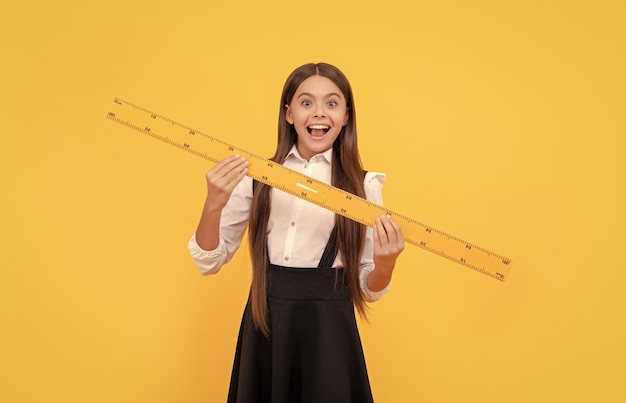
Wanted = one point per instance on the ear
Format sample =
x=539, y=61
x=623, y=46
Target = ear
x=347, y=118
x=288, y=116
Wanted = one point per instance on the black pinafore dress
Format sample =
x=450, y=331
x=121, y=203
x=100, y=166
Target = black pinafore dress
x=314, y=353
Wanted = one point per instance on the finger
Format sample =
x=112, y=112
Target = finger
x=234, y=176
x=395, y=236
x=390, y=228
x=238, y=173
x=375, y=232
x=228, y=168
x=380, y=232
x=397, y=230
x=226, y=161
x=232, y=164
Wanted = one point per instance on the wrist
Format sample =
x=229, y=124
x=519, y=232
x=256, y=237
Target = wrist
x=384, y=268
x=212, y=209
x=379, y=278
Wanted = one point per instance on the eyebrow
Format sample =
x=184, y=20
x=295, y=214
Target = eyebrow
x=308, y=94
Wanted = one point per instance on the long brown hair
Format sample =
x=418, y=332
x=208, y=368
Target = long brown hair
x=347, y=174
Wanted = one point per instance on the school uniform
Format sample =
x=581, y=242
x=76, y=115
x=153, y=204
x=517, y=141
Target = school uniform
x=314, y=351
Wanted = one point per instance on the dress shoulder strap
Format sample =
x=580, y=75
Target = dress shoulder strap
x=330, y=253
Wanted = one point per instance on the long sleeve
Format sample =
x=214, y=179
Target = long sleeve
x=234, y=221
x=373, y=192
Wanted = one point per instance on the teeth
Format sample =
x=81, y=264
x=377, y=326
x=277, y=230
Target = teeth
x=320, y=127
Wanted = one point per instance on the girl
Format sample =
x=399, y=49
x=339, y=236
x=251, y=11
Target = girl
x=298, y=340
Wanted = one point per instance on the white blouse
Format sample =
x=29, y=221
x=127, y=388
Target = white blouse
x=297, y=231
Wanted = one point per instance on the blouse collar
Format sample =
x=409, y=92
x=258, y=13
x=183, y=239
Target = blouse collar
x=326, y=155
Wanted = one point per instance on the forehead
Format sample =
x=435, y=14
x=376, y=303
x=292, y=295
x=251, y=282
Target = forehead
x=318, y=86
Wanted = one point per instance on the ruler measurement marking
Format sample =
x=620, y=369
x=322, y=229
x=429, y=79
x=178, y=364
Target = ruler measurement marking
x=323, y=194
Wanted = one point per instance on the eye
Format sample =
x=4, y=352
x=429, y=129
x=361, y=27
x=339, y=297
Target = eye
x=306, y=102
x=332, y=104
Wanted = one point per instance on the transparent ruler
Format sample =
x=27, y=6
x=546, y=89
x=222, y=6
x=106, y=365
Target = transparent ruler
x=305, y=187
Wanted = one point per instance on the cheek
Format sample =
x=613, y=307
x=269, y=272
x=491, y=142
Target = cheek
x=297, y=118
x=300, y=130
x=345, y=118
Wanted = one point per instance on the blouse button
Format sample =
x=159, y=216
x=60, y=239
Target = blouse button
x=293, y=223
x=286, y=258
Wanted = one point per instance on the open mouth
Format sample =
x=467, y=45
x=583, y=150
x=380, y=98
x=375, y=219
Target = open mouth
x=318, y=130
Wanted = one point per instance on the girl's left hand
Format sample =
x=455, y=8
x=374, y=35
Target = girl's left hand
x=388, y=243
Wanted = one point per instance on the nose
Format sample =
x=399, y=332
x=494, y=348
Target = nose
x=319, y=111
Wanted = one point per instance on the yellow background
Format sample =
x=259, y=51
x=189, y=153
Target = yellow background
x=500, y=122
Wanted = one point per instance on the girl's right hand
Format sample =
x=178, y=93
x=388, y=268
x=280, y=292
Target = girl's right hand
x=222, y=179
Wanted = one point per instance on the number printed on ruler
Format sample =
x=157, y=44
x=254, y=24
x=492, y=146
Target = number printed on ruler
x=305, y=187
